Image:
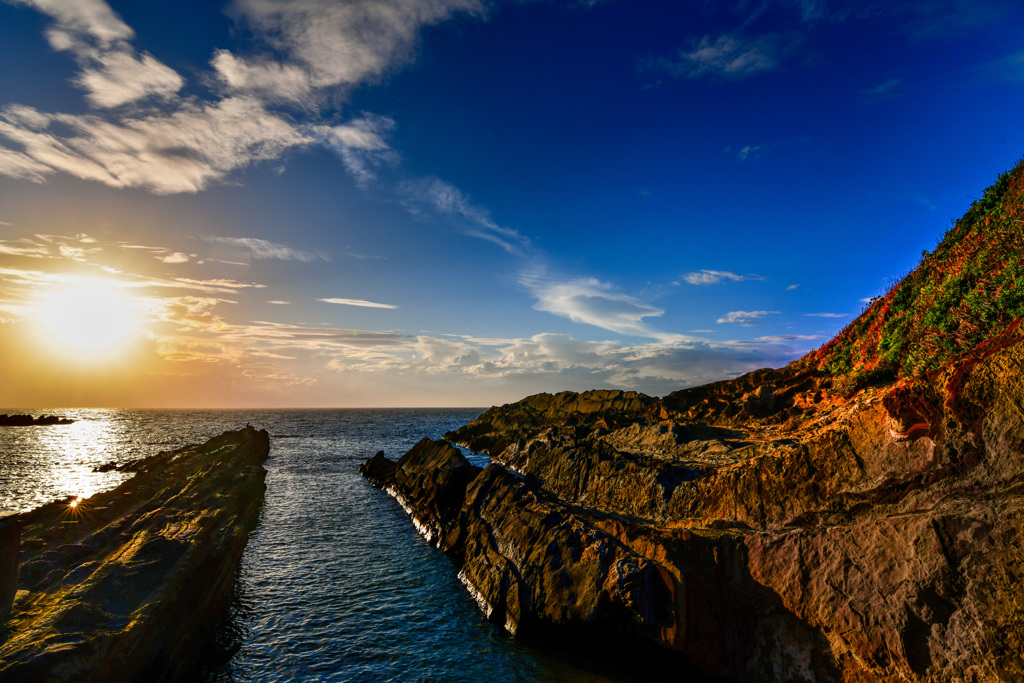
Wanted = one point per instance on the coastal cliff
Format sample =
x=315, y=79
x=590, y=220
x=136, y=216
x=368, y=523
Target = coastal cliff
x=124, y=585
x=854, y=516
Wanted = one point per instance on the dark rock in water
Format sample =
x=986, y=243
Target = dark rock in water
x=29, y=421
x=10, y=549
x=124, y=586
x=526, y=558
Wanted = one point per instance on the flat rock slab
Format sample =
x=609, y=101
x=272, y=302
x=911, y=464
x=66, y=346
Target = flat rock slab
x=124, y=585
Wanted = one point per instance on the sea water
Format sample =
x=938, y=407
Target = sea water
x=335, y=584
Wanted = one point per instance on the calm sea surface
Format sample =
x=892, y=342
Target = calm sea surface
x=335, y=583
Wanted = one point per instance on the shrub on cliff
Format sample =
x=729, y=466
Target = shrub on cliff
x=965, y=291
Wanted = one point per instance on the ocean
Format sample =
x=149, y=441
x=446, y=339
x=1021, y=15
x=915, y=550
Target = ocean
x=335, y=583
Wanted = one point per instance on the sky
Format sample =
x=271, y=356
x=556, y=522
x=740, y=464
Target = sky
x=371, y=203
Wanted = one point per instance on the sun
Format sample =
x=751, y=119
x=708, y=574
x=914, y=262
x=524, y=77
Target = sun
x=88, y=318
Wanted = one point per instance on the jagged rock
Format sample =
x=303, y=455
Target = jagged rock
x=125, y=584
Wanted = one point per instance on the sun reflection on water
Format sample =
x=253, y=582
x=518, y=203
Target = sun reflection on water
x=43, y=463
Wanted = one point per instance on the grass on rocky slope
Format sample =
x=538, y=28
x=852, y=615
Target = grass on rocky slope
x=965, y=291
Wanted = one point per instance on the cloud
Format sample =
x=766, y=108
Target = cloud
x=184, y=151
x=262, y=249
x=362, y=146
x=336, y=44
x=712, y=277
x=729, y=56
x=435, y=196
x=826, y=315
x=357, y=302
x=121, y=77
x=749, y=151
x=175, y=257
x=279, y=303
x=790, y=288
x=92, y=18
x=591, y=302
x=744, y=317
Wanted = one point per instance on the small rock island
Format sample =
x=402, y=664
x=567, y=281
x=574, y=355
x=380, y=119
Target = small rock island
x=29, y=421
x=124, y=585
x=857, y=515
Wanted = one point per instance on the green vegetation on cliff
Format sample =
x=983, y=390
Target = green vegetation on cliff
x=968, y=289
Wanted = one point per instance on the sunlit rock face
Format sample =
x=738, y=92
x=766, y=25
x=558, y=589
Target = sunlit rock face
x=781, y=526
x=124, y=585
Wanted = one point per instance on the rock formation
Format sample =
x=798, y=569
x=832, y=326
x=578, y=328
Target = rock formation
x=29, y=421
x=855, y=516
x=124, y=585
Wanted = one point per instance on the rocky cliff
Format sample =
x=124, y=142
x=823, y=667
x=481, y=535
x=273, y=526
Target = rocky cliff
x=855, y=516
x=124, y=585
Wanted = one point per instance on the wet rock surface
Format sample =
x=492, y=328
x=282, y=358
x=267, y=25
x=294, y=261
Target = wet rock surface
x=780, y=526
x=125, y=584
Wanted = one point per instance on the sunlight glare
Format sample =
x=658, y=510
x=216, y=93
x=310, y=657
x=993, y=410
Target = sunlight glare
x=88, y=318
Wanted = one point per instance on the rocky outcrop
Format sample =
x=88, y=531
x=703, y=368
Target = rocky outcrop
x=786, y=525
x=125, y=584
x=29, y=421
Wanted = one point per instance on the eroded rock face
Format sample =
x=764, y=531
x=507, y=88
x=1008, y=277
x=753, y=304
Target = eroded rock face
x=123, y=585
x=775, y=527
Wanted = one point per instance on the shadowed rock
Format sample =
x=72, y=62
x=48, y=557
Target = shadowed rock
x=10, y=544
x=124, y=585
x=29, y=421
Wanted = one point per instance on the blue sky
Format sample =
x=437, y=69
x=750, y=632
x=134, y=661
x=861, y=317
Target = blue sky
x=458, y=202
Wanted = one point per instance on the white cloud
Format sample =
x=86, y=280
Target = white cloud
x=433, y=195
x=92, y=18
x=269, y=79
x=342, y=43
x=121, y=77
x=744, y=317
x=790, y=288
x=711, y=277
x=279, y=303
x=357, y=302
x=176, y=257
x=591, y=302
x=262, y=249
x=184, y=151
x=826, y=315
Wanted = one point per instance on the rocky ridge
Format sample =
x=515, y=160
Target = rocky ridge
x=124, y=585
x=818, y=522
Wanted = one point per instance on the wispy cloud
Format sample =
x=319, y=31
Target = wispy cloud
x=728, y=56
x=357, y=302
x=263, y=249
x=591, y=302
x=744, y=317
x=712, y=277
x=336, y=44
x=433, y=196
x=826, y=315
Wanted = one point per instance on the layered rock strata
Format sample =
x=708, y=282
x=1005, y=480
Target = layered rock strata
x=124, y=585
x=781, y=526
